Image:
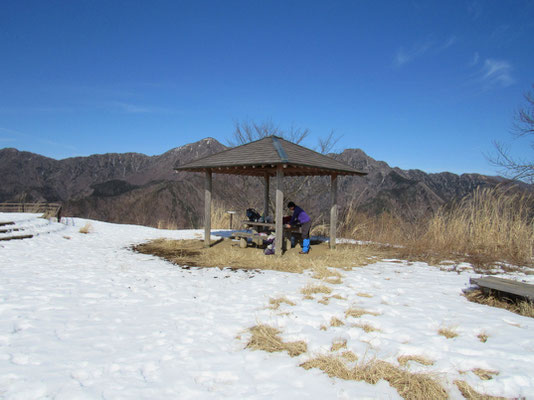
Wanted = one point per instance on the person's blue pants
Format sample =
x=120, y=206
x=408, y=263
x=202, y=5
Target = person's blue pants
x=305, y=245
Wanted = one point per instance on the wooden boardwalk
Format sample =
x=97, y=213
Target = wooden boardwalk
x=505, y=286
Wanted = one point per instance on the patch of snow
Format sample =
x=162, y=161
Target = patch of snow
x=83, y=316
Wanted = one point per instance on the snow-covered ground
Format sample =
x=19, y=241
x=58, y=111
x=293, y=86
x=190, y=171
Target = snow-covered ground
x=83, y=317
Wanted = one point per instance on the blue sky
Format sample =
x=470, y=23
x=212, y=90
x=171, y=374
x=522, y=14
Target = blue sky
x=418, y=84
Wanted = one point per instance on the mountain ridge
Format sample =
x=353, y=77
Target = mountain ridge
x=137, y=188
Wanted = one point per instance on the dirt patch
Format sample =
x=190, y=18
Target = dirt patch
x=227, y=253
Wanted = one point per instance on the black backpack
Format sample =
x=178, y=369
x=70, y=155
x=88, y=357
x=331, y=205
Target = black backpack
x=252, y=214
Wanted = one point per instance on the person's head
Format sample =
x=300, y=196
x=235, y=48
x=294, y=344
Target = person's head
x=291, y=205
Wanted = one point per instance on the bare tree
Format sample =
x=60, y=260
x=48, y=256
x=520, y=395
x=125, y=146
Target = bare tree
x=523, y=127
x=246, y=132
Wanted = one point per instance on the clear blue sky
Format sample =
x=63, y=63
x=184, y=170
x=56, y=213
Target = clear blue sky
x=418, y=84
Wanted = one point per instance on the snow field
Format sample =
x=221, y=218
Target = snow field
x=83, y=317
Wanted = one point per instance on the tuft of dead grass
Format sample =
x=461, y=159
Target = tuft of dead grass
x=226, y=253
x=448, y=332
x=274, y=304
x=322, y=272
x=337, y=296
x=86, y=228
x=314, y=289
x=484, y=374
x=338, y=344
x=471, y=394
x=361, y=294
x=403, y=360
x=410, y=386
x=349, y=356
x=358, y=312
x=524, y=308
x=367, y=327
x=325, y=300
x=265, y=337
x=483, y=337
x=336, y=322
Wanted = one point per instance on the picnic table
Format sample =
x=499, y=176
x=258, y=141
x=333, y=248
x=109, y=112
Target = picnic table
x=259, y=232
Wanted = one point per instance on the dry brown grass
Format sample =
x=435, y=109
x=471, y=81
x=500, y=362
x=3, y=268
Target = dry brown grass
x=524, y=308
x=361, y=294
x=483, y=337
x=266, y=338
x=367, y=327
x=227, y=253
x=337, y=296
x=87, y=228
x=487, y=227
x=448, y=332
x=403, y=360
x=409, y=385
x=484, y=374
x=471, y=394
x=314, y=289
x=322, y=272
x=274, y=304
x=358, y=312
x=220, y=219
x=167, y=224
x=339, y=344
x=336, y=322
x=349, y=356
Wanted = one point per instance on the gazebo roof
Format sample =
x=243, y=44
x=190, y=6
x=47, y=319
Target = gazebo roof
x=262, y=157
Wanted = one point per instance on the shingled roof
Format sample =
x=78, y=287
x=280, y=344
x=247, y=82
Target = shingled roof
x=263, y=156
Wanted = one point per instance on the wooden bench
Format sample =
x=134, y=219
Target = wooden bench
x=505, y=286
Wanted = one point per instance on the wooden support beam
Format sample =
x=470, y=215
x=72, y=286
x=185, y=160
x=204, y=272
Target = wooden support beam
x=266, y=196
x=279, y=228
x=207, y=209
x=333, y=210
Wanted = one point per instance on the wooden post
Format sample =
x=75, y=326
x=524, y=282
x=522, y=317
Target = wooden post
x=266, y=197
x=279, y=228
x=333, y=210
x=207, y=210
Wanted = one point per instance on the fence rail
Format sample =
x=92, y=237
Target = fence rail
x=50, y=209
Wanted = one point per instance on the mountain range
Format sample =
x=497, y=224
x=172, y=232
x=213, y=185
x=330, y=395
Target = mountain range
x=140, y=189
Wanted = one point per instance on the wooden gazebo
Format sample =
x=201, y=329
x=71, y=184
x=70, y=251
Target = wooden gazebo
x=269, y=157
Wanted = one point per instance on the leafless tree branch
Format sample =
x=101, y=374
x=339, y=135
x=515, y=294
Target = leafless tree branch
x=510, y=166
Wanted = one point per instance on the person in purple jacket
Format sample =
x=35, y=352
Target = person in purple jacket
x=300, y=218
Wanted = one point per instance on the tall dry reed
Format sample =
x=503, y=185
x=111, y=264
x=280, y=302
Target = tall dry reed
x=492, y=221
x=490, y=225
x=220, y=218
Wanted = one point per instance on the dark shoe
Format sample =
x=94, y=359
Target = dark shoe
x=303, y=252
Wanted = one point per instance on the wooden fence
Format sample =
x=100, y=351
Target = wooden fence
x=49, y=209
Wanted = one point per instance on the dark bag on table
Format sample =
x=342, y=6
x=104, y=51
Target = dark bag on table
x=253, y=215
